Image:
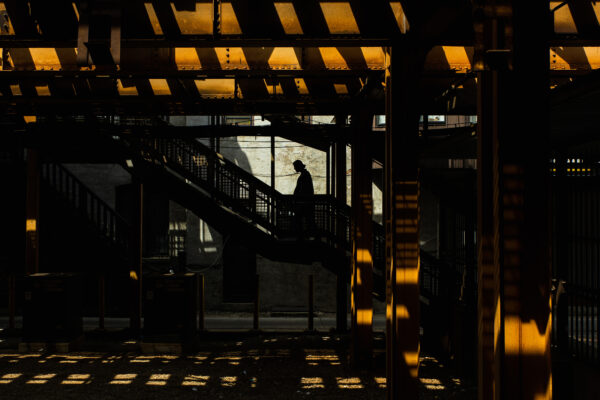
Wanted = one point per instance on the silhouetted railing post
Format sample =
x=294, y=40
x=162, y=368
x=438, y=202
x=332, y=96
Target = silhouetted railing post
x=311, y=293
x=256, y=302
x=101, y=301
x=201, y=301
x=11, y=301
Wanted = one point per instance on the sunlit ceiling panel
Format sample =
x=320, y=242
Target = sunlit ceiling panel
x=332, y=58
x=231, y=57
x=301, y=86
x=574, y=58
x=126, y=90
x=457, y=58
x=7, y=27
x=153, y=18
x=289, y=18
x=374, y=57
x=216, y=88
x=563, y=20
x=45, y=58
x=160, y=87
x=186, y=58
x=401, y=19
x=198, y=22
x=340, y=18
x=284, y=58
x=42, y=90
x=229, y=21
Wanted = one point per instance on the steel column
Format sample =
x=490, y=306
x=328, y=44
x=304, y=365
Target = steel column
x=514, y=59
x=402, y=220
x=32, y=213
x=135, y=271
x=362, y=240
x=339, y=188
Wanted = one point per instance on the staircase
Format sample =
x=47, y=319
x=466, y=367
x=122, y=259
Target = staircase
x=90, y=210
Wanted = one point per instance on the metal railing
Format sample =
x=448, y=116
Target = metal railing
x=104, y=219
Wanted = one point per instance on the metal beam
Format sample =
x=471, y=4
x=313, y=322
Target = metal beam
x=362, y=239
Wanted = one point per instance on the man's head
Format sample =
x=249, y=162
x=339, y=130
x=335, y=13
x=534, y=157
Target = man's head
x=298, y=165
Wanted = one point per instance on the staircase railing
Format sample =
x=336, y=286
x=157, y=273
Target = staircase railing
x=244, y=193
x=105, y=220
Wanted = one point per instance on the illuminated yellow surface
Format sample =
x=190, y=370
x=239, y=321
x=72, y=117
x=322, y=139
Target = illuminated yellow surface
x=349, y=383
x=187, y=58
x=15, y=90
x=42, y=90
x=75, y=10
x=228, y=381
x=289, y=18
x=231, y=57
x=284, y=58
x=132, y=275
x=40, y=379
x=374, y=57
x=402, y=312
x=563, y=20
x=364, y=316
x=401, y=19
x=160, y=87
x=229, y=21
x=332, y=58
x=312, y=383
x=30, y=224
x=457, y=57
x=341, y=88
x=407, y=276
x=11, y=30
x=301, y=86
x=222, y=88
x=339, y=18
x=122, y=379
x=198, y=22
x=195, y=380
x=126, y=91
x=153, y=18
x=45, y=58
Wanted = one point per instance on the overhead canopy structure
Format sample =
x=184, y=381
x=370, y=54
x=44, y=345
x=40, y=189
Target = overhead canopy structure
x=198, y=56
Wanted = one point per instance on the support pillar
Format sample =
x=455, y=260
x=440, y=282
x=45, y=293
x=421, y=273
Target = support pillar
x=401, y=208
x=135, y=271
x=515, y=303
x=362, y=240
x=339, y=188
x=32, y=213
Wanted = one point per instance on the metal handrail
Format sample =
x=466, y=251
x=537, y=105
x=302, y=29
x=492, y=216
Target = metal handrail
x=106, y=220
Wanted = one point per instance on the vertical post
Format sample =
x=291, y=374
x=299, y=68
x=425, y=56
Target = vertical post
x=273, y=161
x=311, y=294
x=362, y=240
x=135, y=272
x=516, y=287
x=101, y=301
x=11, y=301
x=402, y=219
x=339, y=164
x=32, y=213
x=328, y=171
x=201, y=302
x=487, y=91
x=256, y=302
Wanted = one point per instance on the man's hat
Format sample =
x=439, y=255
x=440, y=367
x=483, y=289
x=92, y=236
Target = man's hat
x=299, y=164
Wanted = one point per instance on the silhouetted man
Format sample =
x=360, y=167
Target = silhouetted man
x=304, y=207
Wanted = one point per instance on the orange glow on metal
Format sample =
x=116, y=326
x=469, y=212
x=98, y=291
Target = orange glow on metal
x=153, y=18
x=231, y=58
x=30, y=225
x=216, y=88
x=11, y=30
x=160, y=87
x=340, y=88
x=457, y=58
x=43, y=90
x=289, y=18
x=126, y=91
x=400, y=16
x=45, y=58
x=197, y=22
x=16, y=90
x=374, y=57
x=133, y=275
x=284, y=58
x=339, y=18
x=402, y=312
x=563, y=19
x=187, y=58
x=229, y=21
x=75, y=10
x=364, y=316
x=332, y=58
x=301, y=86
